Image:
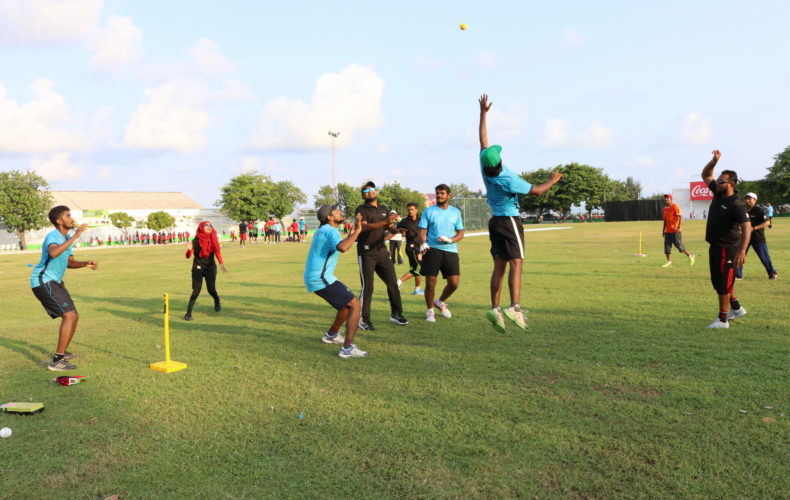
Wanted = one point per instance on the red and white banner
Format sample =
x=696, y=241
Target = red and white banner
x=699, y=191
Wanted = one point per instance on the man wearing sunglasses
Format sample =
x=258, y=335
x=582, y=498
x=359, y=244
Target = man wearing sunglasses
x=378, y=226
x=728, y=233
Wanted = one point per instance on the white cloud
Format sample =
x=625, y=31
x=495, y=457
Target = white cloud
x=508, y=123
x=57, y=167
x=555, y=133
x=209, y=59
x=556, y=136
x=41, y=125
x=234, y=90
x=174, y=117
x=349, y=101
x=572, y=38
x=597, y=136
x=48, y=21
x=116, y=45
x=696, y=129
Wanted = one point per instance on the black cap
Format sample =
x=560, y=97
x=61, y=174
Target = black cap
x=323, y=212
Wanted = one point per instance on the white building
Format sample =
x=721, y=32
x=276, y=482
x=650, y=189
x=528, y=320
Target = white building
x=693, y=199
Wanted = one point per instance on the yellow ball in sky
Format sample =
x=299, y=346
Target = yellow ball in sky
x=463, y=26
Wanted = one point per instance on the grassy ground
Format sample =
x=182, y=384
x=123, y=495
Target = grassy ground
x=616, y=390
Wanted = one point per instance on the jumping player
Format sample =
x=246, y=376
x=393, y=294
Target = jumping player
x=728, y=232
x=47, y=282
x=205, y=246
x=320, y=279
x=439, y=249
x=505, y=229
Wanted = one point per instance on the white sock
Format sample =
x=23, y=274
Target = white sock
x=399, y=283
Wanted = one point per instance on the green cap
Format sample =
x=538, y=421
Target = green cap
x=489, y=157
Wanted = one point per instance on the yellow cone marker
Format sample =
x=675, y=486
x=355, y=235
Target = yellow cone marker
x=167, y=366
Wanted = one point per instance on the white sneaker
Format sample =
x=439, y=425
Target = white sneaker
x=516, y=317
x=430, y=317
x=737, y=313
x=332, y=339
x=443, y=307
x=717, y=323
x=351, y=352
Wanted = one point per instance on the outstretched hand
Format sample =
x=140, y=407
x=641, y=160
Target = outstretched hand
x=716, y=154
x=555, y=177
x=484, y=104
x=224, y=269
x=358, y=223
x=93, y=264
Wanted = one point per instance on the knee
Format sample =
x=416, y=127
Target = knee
x=354, y=305
x=71, y=316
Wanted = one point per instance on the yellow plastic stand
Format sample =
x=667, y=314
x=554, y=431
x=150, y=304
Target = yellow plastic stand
x=167, y=366
x=640, y=254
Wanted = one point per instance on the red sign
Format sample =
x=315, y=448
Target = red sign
x=699, y=191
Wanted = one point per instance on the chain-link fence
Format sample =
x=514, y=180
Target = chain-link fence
x=476, y=212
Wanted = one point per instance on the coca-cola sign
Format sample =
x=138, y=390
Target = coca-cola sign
x=699, y=191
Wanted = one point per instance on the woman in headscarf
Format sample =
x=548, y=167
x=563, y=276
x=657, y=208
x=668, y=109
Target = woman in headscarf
x=205, y=246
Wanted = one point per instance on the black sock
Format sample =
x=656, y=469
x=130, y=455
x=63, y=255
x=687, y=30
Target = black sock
x=723, y=316
x=57, y=357
x=735, y=305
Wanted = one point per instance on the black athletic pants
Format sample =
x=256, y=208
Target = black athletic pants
x=197, y=284
x=378, y=261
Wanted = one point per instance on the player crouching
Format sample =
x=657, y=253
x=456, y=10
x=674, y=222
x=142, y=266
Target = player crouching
x=319, y=278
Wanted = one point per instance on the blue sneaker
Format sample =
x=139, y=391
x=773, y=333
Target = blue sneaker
x=418, y=291
x=351, y=352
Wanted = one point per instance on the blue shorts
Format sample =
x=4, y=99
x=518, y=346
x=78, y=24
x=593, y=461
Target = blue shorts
x=337, y=294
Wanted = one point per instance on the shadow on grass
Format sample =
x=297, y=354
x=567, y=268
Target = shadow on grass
x=24, y=348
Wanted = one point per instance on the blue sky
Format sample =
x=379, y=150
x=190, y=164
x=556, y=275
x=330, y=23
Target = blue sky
x=183, y=95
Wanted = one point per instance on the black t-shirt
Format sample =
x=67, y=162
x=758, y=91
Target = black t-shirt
x=201, y=263
x=412, y=230
x=757, y=217
x=242, y=228
x=724, y=218
x=372, y=240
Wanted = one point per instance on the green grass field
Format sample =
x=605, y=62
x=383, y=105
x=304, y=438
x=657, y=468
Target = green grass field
x=617, y=389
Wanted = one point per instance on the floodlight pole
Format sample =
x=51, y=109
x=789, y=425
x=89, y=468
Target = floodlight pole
x=334, y=167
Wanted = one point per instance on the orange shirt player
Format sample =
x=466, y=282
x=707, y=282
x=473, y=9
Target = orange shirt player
x=671, y=231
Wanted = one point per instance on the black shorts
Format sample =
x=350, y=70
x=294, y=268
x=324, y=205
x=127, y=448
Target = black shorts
x=506, y=233
x=55, y=298
x=414, y=261
x=436, y=260
x=673, y=239
x=722, y=271
x=337, y=294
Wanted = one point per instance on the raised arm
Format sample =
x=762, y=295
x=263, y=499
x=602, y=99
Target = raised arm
x=707, y=172
x=55, y=251
x=538, y=189
x=484, y=107
x=348, y=242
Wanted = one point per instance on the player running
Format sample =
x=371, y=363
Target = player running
x=671, y=231
x=205, y=246
x=505, y=229
x=320, y=279
x=47, y=282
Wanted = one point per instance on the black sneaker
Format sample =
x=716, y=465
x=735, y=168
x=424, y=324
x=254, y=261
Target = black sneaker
x=399, y=319
x=188, y=317
x=365, y=325
x=60, y=366
x=217, y=307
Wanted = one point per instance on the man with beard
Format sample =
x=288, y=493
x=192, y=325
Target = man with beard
x=759, y=220
x=377, y=227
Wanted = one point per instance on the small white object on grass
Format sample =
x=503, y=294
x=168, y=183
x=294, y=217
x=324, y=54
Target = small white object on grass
x=5, y=432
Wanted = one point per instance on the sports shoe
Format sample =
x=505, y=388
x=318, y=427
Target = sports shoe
x=328, y=338
x=773, y=276
x=667, y=264
x=363, y=325
x=495, y=317
x=420, y=291
x=692, y=259
x=351, y=352
x=217, y=306
x=738, y=278
x=430, y=317
x=736, y=313
x=68, y=355
x=443, y=307
x=399, y=319
x=188, y=317
x=60, y=366
x=516, y=317
x=717, y=323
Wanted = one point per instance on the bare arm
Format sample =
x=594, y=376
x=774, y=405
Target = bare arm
x=348, y=242
x=542, y=188
x=707, y=172
x=75, y=264
x=56, y=250
x=484, y=107
x=459, y=235
x=743, y=244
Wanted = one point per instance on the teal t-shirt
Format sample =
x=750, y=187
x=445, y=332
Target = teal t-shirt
x=441, y=222
x=49, y=269
x=319, y=272
x=503, y=190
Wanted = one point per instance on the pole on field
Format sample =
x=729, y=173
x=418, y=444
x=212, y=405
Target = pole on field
x=640, y=254
x=167, y=366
